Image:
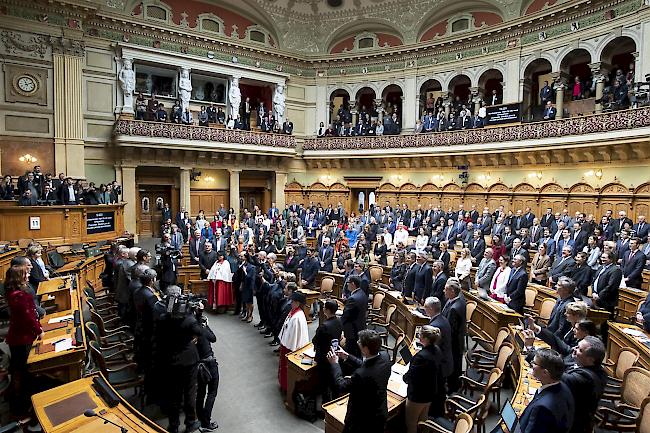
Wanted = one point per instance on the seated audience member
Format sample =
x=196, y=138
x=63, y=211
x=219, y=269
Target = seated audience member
x=161, y=114
x=7, y=188
x=367, y=409
x=424, y=379
x=553, y=407
x=27, y=199
x=203, y=117
x=550, y=111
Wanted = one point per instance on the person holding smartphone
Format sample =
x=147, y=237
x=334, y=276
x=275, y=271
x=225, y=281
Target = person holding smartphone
x=327, y=337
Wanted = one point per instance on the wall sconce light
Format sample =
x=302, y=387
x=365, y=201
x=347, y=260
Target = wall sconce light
x=27, y=158
x=209, y=179
x=485, y=177
x=535, y=174
x=598, y=173
x=437, y=177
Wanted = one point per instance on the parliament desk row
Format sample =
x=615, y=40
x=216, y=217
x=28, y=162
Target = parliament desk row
x=622, y=335
x=61, y=409
x=596, y=315
x=87, y=270
x=489, y=316
x=6, y=257
x=58, y=225
x=61, y=353
x=525, y=385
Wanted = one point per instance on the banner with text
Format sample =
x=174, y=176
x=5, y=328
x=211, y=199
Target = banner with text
x=504, y=113
x=100, y=222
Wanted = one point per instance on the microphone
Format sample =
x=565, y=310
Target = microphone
x=91, y=413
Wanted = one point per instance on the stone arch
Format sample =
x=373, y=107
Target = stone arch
x=552, y=60
x=476, y=79
x=489, y=80
x=611, y=39
x=573, y=60
x=459, y=85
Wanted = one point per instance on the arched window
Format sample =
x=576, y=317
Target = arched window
x=460, y=25
x=157, y=13
x=210, y=25
x=157, y=10
x=366, y=43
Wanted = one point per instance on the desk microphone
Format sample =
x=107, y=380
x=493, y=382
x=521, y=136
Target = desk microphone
x=91, y=413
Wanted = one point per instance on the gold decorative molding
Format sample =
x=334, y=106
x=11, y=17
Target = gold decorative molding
x=68, y=47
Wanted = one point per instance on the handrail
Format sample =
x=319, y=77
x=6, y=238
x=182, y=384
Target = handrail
x=596, y=123
x=143, y=128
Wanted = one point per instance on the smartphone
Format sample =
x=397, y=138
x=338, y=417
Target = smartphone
x=335, y=344
x=526, y=324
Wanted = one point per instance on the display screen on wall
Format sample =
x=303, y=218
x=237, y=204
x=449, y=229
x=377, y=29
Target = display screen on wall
x=505, y=113
x=100, y=222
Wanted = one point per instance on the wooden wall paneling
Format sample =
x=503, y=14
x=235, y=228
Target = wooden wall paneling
x=208, y=201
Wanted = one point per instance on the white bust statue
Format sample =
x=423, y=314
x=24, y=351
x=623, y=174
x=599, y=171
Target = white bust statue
x=234, y=96
x=185, y=88
x=278, y=103
x=127, y=83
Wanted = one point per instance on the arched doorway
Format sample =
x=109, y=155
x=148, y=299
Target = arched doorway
x=340, y=106
x=365, y=103
x=459, y=88
x=430, y=97
x=490, y=82
x=576, y=65
x=536, y=75
x=392, y=97
x=617, y=56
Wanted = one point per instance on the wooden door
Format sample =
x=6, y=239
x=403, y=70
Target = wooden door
x=151, y=200
x=249, y=198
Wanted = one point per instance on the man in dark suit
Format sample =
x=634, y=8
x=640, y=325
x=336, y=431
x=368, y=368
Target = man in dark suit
x=180, y=217
x=325, y=256
x=197, y=244
x=207, y=258
x=632, y=265
x=449, y=233
x=433, y=307
x=550, y=111
x=619, y=223
x=423, y=278
x=409, y=278
x=354, y=315
x=606, y=283
x=557, y=323
x=622, y=245
x=641, y=229
x=552, y=407
x=516, y=286
x=328, y=330
x=367, y=405
x=518, y=249
x=563, y=265
x=310, y=267
x=439, y=281
x=545, y=93
x=476, y=247
x=455, y=313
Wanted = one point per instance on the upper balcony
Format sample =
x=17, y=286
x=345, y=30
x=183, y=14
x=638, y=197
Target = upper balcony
x=139, y=133
x=618, y=126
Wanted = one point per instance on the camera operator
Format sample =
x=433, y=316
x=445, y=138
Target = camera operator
x=144, y=299
x=175, y=357
x=169, y=262
x=208, y=374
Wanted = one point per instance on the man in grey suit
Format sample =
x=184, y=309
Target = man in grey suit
x=606, y=283
x=485, y=270
x=563, y=265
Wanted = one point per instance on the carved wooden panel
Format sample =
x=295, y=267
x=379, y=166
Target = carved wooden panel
x=499, y=187
x=552, y=188
x=387, y=187
x=524, y=187
x=582, y=188
x=615, y=188
x=429, y=187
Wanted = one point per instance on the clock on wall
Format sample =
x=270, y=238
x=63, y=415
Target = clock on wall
x=25, y=84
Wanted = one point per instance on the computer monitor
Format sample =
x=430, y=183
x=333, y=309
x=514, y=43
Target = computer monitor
x=406, y=354
x=509, y=416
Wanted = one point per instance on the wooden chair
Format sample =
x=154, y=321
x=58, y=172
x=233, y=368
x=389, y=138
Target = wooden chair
x=108, y=313
x=546, y=309
x=464, y=424
x=113, y=335
x=469, y=311
x=327, y=287
x=479, y=370
x=478, y=408
x=376, y=273
x=620, y=412
x=120, y=377
x=625, y=360
x=393, y=352
x=531, y=293
x=23, y=243
x=383, y=324
x=490, y=348
x=375, y=307
x=112, y=352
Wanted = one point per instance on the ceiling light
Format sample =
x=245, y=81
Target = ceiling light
x=27, y=158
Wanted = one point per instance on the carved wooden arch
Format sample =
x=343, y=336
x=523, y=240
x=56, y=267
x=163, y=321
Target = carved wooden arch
x=582, y=187
x=524, y=187
x=644, y=188
x=429, y=187
x=408, y=187
x=339, y=187
x=451, y=187
x=552, y=188
x=615, y=188
x=499, y=187
x=386, y=187
x=475, y=187
x=318, y=186
x=293, y=186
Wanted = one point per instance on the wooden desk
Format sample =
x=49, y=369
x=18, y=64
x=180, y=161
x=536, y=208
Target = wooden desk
x=300, y=377
x=88, y=270
x=339, y=279
x=336, y=409
x=311, y=297
x=628, y=301
x=60, y=410
x=594, y=314
x=405, y=318
x=57, y=290
x=188, y=273
x=66, y=365
x=6, y=257
x=619, y=337
x=490, y=316
x=525, y=383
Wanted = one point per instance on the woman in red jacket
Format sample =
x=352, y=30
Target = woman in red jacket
x=24, y=328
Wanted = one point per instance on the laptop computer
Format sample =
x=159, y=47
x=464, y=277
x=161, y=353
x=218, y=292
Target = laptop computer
x=509, y=420
x=406, y=354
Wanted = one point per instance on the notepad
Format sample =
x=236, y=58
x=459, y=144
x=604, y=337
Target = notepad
x=396, y=384
x=63, y=345
x=311, y=353
x=61, y=319
x=400, y=369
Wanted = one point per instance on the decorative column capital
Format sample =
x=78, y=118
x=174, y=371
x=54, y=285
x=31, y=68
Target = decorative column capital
x=560, y=80
x=599, y=71
x=68, y=47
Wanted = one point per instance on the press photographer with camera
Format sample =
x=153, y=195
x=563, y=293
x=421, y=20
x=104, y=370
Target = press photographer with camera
x=208, y=373
x=175, y=357
x=168, y=262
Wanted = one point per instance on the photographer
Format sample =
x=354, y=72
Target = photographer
x=169, y=262
x=144, y=300
x=208, y=375
x=175, y=357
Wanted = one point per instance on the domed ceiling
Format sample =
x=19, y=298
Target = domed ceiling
x=323, y=26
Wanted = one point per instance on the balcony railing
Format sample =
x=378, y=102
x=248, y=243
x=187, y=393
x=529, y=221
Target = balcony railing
x=174, y=131
x=606, y=122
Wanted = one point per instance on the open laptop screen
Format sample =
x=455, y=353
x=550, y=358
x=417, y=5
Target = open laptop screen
x=509, y=416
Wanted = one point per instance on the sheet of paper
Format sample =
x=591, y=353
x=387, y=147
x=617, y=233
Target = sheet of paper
x=397, y=385
x=310, y=353
x=400, y=369
x=61, y=319
x=63, y=345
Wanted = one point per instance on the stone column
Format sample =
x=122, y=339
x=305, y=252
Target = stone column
x=278, y=189
x=68, y=60
x=129, y=195
x=477, y=97
x=355, y=116
x=379, y=107
x=446, y=102
x=598, y=72
x=642, y=66
x=322, y=106
x=410, y=106
x=185, y=189
x=234, y=191
x=560, y=83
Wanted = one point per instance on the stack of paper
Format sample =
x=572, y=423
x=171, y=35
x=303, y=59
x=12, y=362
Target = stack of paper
x=61, y=319
x=396, y=382
x=62, y=345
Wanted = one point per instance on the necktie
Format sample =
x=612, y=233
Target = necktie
x=496, y=278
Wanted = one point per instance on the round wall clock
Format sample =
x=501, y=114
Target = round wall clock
x=26, y=84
